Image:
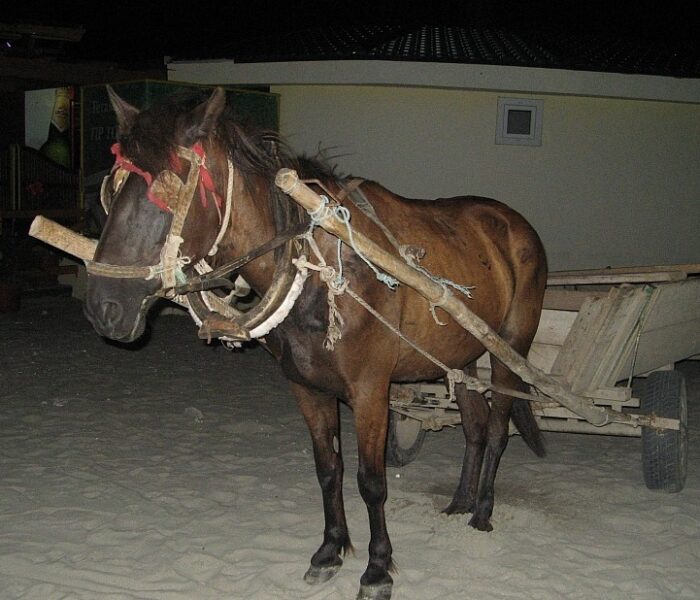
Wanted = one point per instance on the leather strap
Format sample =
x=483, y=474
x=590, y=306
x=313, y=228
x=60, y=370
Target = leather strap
x=349, y=188
x=203, y=282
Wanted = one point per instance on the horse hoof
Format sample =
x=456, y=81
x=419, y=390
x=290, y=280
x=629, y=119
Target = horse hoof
x=320, y=574
x=381, y=591
x=480, y=523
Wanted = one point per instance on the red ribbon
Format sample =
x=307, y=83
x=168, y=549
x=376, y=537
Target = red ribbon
x=206, y=181
x=121, y=162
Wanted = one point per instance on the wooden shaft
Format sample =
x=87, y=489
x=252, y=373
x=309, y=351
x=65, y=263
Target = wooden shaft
x=62, y=238
x=288, y=181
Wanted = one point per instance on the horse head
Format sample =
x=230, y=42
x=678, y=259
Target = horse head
x=163, y=211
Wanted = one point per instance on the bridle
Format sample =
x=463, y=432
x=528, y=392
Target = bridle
x=167, y=185
x=287, y=281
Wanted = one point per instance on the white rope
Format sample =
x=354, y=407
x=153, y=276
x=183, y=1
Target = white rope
x=322, y=212
x=285, y=307
x=227, y=211
x=343, y=215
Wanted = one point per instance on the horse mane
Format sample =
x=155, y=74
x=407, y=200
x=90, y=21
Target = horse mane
x=260, y=152
x=254, y=152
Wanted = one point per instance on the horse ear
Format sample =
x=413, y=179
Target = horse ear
x=206, y=115
x=126, y=114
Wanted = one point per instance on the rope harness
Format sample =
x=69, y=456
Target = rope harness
x=338, y=285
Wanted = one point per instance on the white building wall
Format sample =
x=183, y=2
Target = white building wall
x=615, y=183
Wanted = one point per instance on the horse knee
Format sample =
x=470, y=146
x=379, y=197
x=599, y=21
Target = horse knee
x=328, y=475
x=327, y=480
x=372, y=487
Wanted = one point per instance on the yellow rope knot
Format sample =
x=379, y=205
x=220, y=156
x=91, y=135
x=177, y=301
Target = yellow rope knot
x=335, y=319
x=433, y=305
x=336, y=285
x=454, y=376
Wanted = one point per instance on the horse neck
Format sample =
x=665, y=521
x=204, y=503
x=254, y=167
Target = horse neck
x=252, y=224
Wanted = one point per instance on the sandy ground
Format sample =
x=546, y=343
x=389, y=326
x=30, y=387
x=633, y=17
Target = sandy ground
x=183, y=471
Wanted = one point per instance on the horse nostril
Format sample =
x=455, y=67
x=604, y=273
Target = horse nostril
x=111, y=312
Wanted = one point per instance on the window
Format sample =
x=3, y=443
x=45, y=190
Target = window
x=519, y=122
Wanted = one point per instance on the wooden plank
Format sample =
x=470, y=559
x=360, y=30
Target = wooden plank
x=662, y=347
x=615, y=278
x=675, y=303
x=554, y=326
x=578, y=346
x=62, y=238
x=669, y=332
x=687, y=268
x=615, y=338
x=543, y=356
x=602, y=334
x=578, y=426
x=571, y=300
x=615, y=395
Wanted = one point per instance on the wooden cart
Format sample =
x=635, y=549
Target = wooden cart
x=599, y=330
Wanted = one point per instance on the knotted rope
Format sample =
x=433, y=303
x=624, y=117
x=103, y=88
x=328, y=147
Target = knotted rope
x=336, y=286
x=342, y=214
x=410, y=254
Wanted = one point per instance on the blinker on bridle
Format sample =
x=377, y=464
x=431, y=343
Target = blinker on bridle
x=159, y=187
x=169, y=193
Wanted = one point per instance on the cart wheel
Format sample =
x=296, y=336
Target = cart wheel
x=665, y=451
x=404, y=440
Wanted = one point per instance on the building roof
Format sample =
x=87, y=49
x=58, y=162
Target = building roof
x=543, y=46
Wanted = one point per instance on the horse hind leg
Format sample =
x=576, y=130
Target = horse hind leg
x=502, y=407
x=320, y=412
x=474, y=412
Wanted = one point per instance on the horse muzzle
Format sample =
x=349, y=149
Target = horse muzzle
x=113, y=318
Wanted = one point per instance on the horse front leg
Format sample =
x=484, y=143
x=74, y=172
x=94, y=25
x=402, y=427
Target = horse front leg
x=320, y=412
x=371, y=421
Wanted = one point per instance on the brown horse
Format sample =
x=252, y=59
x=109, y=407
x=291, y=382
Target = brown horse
x=469, y=240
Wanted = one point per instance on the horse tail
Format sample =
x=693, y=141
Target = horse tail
x=525, y=423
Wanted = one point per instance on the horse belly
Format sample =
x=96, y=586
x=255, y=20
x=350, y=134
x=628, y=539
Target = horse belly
x=449, y=344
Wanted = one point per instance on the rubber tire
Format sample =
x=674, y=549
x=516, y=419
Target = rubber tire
x=404, y=440
x=665, y=451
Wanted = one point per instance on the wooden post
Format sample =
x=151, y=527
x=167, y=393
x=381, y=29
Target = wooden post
x=63, y=238
x=288, y=181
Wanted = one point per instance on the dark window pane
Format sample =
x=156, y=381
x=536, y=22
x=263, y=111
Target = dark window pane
x=519, y=122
